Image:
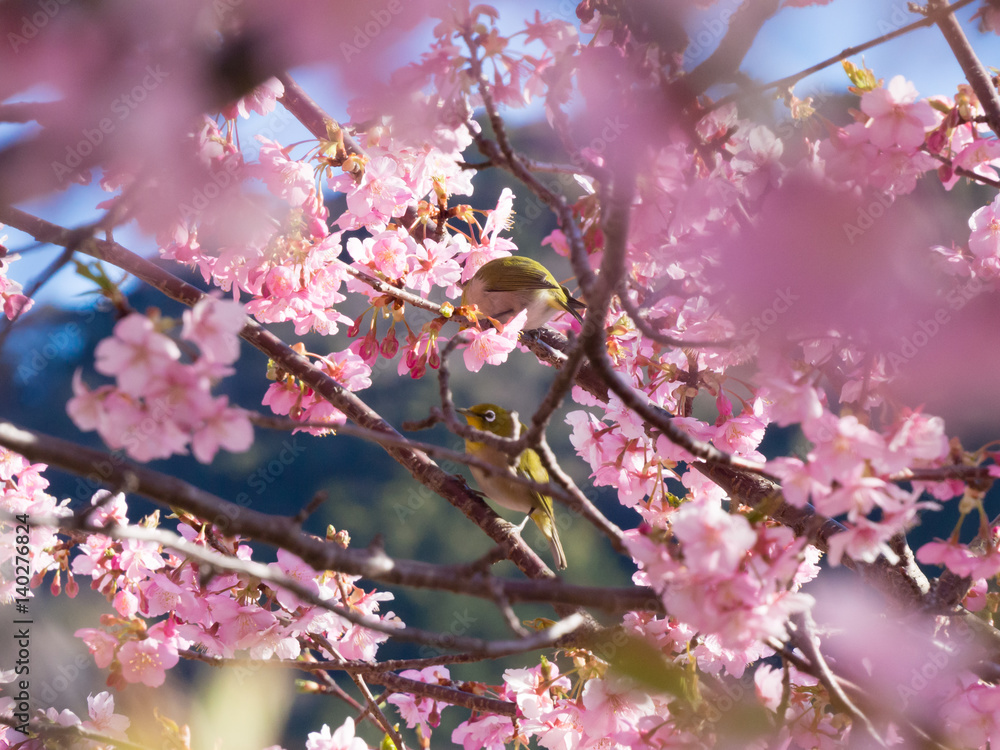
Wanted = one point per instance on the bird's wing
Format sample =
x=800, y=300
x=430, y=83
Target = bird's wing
x=538, y=473
x=520, y=278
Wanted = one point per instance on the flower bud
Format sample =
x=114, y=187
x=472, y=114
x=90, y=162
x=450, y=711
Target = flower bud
x=390, y=345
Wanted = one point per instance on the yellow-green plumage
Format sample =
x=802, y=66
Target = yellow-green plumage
x=500, y=487
x=505, y=286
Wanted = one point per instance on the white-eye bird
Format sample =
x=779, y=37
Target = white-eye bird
x=500, y=487
x=505, y=286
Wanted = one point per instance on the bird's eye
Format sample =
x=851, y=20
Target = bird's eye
x=489, y=415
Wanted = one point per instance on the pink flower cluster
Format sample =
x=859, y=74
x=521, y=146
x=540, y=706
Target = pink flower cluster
x=14, y=303
x=100, y=710
x=722, y=576
x=22, y=494
x=720, y=204
x=220, y=616
x=847, y=474
x=160, y=404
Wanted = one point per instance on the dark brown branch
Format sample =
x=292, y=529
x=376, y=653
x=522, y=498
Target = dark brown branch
x=375, y=711
x=444, y=309
x=310, y=114
x=550, y=347
x=722, y=64
x=975, y=73
x=206, y=556
x=962, y=171
x=944, y=473
x=282, y=532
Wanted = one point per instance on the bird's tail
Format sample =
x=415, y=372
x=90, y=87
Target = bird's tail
x=573, y=306
x=545, y=523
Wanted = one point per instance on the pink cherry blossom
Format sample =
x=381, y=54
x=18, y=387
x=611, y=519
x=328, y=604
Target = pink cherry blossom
x=984, y=239
x=341, y=739
x=842, y=446
x=102, y=645
x=389, y=251
x=261, y=100
x=972, y=713
x=433, y=264
x=613, y=706
x=989, y=17
x=136, y=353
x=161, y=595
x=421, y=711
x=980, y=156
x=303, y=574
x=85, y=408
x=490, y=346
x=714, y=541
x=896, y=119
x=961, y=560
x=144, y=431
x=381, y=195
x=240, y=626
x=294, y=181
x=214, y=325
x=146, y=661
x=487, y=732
x=14, y=303
x=103, y=719
x=222, y=427
x=918, y=440
x=975, y=600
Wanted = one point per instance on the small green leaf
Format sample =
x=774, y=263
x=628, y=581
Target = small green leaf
x=647, y=665
x=863, y=78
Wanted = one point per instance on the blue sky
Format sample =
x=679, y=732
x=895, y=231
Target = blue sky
x=795, y=39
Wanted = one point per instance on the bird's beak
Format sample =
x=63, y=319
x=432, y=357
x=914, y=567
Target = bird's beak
x=463, y=411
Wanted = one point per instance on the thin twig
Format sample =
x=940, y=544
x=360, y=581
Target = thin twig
x=376, y=711
x=507, y=611
x=805, y=639
x=791, y=80
x=267, y=574
x=565, y=492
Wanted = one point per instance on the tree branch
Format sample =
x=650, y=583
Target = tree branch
x=790, y=81
x=977, y=75
x=310, y=114
x=420, y=466
x=744, y=25
x=279, y=531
